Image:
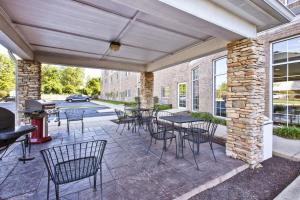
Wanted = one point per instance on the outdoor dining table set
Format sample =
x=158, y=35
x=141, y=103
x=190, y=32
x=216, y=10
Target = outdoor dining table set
x=165, y=126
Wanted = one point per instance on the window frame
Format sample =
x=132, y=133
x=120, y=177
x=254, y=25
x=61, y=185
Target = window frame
x=271, y=76
x=192, y=88
x=214, y=61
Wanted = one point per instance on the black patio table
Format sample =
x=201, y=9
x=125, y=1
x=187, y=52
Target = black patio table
x=180, y=119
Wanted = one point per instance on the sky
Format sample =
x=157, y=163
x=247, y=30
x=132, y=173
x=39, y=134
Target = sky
x=87, y=71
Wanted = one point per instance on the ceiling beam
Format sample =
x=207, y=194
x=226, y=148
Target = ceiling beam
x=212, y=20
x=60, y=59
x=11, y=39
x=190, y=53
x=178, y=32
x=84, y=36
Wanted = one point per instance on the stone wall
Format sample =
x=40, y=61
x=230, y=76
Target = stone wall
x=29, y=84
x=147, y=81
x=245, y=100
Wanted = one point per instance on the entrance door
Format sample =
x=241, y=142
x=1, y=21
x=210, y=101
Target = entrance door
x=182, y=95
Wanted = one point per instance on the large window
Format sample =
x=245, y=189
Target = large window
x=220, y=86
x=195, y=89
x=286, y=81
x=165, y=91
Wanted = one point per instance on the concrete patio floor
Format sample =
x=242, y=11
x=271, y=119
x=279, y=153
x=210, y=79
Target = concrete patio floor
x=128, y=171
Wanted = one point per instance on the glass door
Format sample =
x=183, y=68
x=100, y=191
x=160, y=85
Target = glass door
x=182, y=95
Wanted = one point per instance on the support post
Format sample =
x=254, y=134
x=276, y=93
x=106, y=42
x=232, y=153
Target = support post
x=147, y=81
x=29, y=84
x=245, y=100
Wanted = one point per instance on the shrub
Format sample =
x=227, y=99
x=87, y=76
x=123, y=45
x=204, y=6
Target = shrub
x=69, y=89
x=52, y=88
x=3, y=93
x=163, y=106
x=291, y=132
x=87, y=91
x=209, y=117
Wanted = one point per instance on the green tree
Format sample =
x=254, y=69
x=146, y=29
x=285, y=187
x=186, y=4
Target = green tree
x=7, y=77
x=93, y=85
x=72, y=76
x=51, y=80
x=69, y=89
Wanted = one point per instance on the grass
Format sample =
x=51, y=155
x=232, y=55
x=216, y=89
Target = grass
x=210, y=117
x=289, y=132
x=118, y=102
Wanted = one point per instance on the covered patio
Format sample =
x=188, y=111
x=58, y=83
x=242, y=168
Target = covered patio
x=141, y=36
x=129, y=172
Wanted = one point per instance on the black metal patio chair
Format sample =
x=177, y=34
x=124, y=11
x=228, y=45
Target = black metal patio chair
x=159, y=134
x=124, y=119
x=199, y=133
x=72, y=162
x=162, y=124
x=74, y=115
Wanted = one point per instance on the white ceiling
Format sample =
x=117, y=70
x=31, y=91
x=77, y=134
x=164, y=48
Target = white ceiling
x=84, y=28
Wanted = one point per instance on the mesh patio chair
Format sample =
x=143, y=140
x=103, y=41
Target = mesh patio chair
x=74, y=115
x=69, y=163
x=199, y=133
x=162, y=124
x=159, y=134
x=124, y=119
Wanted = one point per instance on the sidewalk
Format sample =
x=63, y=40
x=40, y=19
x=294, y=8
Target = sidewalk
x=286, y=148
x=291, y=192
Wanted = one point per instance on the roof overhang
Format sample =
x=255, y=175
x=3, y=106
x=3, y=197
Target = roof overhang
x=154, y=34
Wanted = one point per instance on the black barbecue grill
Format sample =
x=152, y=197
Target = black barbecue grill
x=9, y=133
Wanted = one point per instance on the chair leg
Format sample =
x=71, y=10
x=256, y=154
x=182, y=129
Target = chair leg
x=95, y=182
x=118, y=127
x=23, y=151
x=170, y=143
x=193, y=155
x=162, y=152
x=82, y=126
x=57, y=191
x=176, y=147
x=101, y=189
x=48, y=187
x=123, y=128
x=212, y=150
x=68, y=127
x=150, y=145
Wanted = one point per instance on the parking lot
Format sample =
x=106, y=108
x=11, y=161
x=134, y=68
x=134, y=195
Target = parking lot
x=91, y=109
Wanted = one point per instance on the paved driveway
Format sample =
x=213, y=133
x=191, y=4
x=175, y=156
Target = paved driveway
x=91, y=109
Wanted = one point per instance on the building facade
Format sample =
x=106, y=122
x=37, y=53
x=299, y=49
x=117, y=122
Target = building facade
x=119, y=85
x=201, y=84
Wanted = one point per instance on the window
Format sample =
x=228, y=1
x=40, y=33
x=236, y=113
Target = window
x=182, y=95
x=165, y=92
x=286, y=81
x=220, y=86
x=195, y=89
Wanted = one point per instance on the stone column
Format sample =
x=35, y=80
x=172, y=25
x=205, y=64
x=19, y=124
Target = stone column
x=28, y=84
x=245, y=100
x=147, y=80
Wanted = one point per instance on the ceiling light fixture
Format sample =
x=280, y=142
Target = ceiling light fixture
x=115, y=46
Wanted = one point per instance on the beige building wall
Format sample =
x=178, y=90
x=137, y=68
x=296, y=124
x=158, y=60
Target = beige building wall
x=172, y=76
x=119, y=85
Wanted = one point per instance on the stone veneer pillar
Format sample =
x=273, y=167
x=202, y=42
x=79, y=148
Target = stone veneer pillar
x=245, y=100
x=28, y=84
x=147, y=80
